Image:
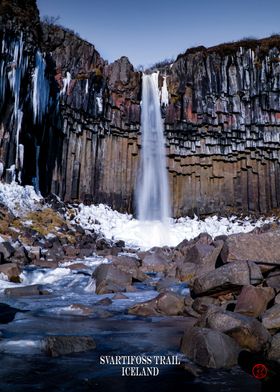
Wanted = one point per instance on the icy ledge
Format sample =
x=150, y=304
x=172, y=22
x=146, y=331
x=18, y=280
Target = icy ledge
x=117, y=226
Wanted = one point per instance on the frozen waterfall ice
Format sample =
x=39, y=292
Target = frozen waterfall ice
x=152, y=186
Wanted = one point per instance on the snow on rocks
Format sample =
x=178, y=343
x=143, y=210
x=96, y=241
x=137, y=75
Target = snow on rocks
x=18, y=199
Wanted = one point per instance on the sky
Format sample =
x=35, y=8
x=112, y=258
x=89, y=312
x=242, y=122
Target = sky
x=149, y=31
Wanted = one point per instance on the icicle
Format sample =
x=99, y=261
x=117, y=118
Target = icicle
x=20, y=161
x=19, y=122
x=20, y=155
x=1, y=170
x=36, y=179
x=99, y=101
x=41, y=89
x=87, y=86
x=66, y=83
x=164, y=93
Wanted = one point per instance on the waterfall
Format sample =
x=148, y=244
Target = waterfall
x=152, y=187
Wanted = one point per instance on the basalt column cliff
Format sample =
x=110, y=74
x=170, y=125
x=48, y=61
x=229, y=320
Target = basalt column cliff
x=70, y=122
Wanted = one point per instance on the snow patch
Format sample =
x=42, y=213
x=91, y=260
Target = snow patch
x=18, y=199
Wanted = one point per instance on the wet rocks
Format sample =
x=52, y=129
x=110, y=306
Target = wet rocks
x=11, y=272
x=130, y=265
x=168, y=303
x=6, y=251
x=80, y=310
x=228, y=277
x=110, y=279
x=26, y=291
x=209, y=348
x=55, y=346
x=7, y=313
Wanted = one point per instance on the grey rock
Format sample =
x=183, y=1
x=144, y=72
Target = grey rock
x=248, y=332
x=271, y=318
x=26, y=291
x=228, y=277
x=209, y=348
x=110, y=279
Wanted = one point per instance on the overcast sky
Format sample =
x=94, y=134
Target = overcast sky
x=148, y=31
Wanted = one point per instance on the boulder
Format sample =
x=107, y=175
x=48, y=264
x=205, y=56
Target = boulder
x=6, y=250
x=248, y=332
x=273, y=279
x=271, y=318
x=71, y=251
x=274, y=350
x=55, y=346
x=42, y=263
x=201, y=304
x=186, y=272
x=110, y=279
x=228, y=277
x=26, y=291
x=129, y=265
x=7, y=313
x=253, y=301
x=77, y=267
x=212, y=349
x=261, y=248
x=277, y=299
x=11, y=271
x=105, y=301
x=166, y=284
x=168, y=303
x=155, y=261
x=120, y=296
x=20, y=256
x=204, y=255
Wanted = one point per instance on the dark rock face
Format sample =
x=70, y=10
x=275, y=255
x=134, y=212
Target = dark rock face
x=224, y=109
x=82, y=136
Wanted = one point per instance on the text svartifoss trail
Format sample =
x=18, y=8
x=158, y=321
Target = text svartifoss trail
x=139, y=365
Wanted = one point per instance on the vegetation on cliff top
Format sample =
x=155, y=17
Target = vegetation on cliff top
x=229, y=48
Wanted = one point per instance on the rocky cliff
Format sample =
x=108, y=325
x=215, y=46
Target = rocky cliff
x=70, y=122
x=223, y=125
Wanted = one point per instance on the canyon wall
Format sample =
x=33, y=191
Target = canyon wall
x=70, y=122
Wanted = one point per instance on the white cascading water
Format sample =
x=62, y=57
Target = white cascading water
x=152, y=189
